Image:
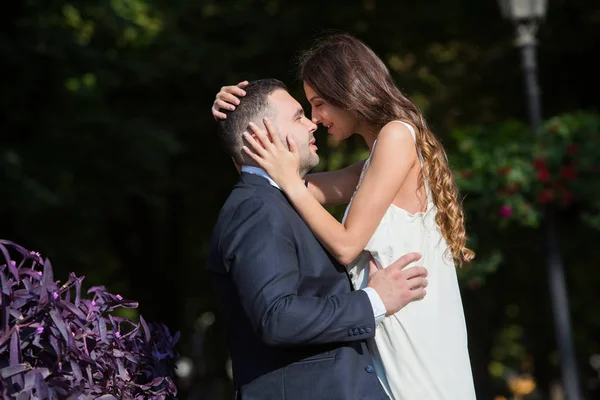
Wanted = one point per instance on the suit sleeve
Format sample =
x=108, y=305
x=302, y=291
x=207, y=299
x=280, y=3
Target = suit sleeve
x=260, y=252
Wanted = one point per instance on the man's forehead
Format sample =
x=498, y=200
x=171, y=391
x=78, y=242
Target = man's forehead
x=282, y=101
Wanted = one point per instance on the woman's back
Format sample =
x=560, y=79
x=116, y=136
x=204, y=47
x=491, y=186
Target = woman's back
x=422, y=348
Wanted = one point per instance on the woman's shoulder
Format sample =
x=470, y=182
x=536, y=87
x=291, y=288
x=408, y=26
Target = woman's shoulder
x=398, y=128
x=395, y=136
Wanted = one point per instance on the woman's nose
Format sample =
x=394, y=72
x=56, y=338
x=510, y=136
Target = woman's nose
x=315, y=117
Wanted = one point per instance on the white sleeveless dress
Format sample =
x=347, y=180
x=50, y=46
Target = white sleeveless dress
x=420, y=353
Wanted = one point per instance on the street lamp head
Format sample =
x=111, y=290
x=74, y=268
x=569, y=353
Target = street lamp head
x=523, y=10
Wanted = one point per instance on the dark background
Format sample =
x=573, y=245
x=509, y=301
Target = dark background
x=109, y=164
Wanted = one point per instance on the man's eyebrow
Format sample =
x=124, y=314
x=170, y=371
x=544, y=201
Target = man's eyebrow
x=314, y=98
x=299, y=113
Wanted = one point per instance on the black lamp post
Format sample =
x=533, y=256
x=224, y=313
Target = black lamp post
x=526, y=14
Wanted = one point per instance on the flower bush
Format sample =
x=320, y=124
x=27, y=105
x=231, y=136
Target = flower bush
x=509, y=176
x=55, y=343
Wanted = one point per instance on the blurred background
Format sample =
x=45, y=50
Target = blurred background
x=109, y=164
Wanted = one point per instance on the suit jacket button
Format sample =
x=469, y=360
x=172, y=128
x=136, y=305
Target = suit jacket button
x=368, y=330
x=350, y=332
x=356, y=331
x=369, y=369
x=362, y=331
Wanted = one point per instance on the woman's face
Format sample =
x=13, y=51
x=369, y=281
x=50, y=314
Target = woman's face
x=339, y=123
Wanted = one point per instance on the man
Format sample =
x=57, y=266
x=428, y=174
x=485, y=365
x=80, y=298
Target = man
x=295, y=328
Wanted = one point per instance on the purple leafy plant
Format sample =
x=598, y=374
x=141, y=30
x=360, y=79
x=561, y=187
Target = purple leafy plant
x=56, y=344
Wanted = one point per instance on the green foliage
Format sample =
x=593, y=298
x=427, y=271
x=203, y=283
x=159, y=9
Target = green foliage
x=509, y=175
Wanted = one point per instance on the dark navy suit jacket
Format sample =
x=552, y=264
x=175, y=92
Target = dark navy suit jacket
x=295, y=329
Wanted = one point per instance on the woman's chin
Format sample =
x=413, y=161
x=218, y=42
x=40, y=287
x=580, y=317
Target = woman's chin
x=339, y=137
x=333, y=139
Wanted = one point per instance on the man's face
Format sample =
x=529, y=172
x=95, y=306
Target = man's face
x=290, y=120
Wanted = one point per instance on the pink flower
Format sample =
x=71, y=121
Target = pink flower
x=475, y=284
x=12, y=263
x=117, y=334
x=546, y=196
x=119, y=297
x=543, y=174
x=568, y=173
x=539, y=163
x=55, y=295
x=567, y=197
x=506, y=211
x=39, y=330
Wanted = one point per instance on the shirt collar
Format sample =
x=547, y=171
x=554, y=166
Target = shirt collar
x=260, y=172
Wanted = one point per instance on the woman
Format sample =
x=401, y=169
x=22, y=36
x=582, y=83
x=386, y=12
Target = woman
x=405, y=200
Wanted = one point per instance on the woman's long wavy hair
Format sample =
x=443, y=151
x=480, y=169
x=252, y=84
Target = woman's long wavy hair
x=350, y=76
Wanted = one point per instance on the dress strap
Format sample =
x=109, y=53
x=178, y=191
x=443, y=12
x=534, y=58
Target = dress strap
x=414, y=135
x=410, y=128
